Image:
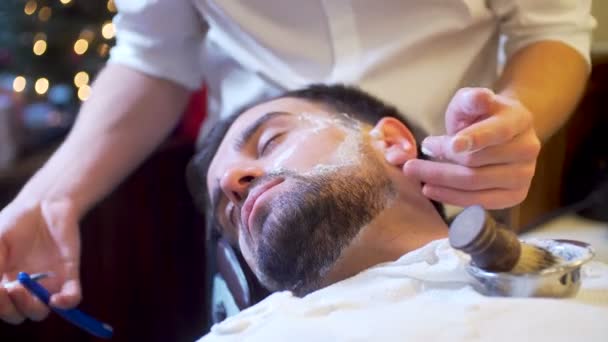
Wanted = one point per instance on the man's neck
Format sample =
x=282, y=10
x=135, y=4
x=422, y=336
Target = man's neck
x=408, y=223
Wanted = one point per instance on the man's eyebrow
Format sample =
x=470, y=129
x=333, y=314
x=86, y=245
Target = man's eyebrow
x=252, y=129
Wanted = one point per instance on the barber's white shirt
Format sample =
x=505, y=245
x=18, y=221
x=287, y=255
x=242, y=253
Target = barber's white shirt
x=423, y=296
x=412, y=53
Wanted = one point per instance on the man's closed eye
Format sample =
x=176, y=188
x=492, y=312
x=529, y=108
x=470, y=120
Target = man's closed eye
x=270, y=144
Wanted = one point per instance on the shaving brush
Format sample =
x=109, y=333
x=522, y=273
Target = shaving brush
x=493, y=247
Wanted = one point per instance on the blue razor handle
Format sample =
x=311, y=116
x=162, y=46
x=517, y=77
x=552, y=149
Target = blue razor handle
x=74, y=316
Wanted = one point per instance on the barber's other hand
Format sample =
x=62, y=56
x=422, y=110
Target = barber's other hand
x=488, y=156
x=39, y=237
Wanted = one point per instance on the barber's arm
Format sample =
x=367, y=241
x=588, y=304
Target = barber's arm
x=488, y=155
x=136, y=101
x=548, y=78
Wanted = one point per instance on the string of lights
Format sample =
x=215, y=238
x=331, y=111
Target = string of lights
x=89, y=49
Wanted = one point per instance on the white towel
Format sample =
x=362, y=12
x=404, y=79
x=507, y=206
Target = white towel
x=424, y=296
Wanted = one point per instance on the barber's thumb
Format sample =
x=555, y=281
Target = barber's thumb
x=69, y=296
x=435, y=146
x=446, y=146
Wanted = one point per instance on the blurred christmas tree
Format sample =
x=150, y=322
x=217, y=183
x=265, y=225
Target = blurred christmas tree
x=49, y=51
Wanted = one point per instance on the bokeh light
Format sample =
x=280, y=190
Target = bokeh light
x=45, y=13
x=103, y=49
x=81, y=46
x=81, y=79
x=65, y=2
x=39, y=47
x=41, y=86
x=107, y=30
x=19, y=84
x=84, y=92
x=111, y=6
x=30, y=7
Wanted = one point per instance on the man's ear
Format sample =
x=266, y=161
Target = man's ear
x=394, y=140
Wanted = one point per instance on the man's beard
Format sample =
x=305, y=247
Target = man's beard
x=303, y=232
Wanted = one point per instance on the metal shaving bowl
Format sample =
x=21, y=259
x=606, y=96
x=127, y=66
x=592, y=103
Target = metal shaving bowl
x=560, y=280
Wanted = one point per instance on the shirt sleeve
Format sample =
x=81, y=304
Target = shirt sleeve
x=162, y=38
x=523, y=22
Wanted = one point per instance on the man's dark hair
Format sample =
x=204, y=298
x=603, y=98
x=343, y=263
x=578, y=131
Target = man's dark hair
x=338, y=98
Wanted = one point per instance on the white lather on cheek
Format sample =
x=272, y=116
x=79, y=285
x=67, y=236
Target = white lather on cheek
x=285, y=155
x=347, y=153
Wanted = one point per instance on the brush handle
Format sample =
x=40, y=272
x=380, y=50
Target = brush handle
x=74, y=316
x=491, y=246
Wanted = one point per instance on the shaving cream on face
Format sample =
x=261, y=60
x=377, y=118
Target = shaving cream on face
x=317, y=121
x=347, y=152
x=285, y=155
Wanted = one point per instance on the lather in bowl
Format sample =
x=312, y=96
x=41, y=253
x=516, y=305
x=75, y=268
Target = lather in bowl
x=560, y=280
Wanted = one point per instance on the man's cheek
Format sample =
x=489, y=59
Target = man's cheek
x=304, y=151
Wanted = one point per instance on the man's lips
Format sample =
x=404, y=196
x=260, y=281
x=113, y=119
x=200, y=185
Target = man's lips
x=249, y=205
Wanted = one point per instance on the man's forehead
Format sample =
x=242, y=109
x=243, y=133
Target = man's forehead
x=285, y=104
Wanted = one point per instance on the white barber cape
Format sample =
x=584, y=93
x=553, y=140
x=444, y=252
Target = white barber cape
x=413, y=54
x=423, y=296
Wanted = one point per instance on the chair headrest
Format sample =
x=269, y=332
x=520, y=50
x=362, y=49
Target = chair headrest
x=242, y=283
x=230, y=269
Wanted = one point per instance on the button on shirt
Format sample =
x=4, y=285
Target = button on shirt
x=414, y=54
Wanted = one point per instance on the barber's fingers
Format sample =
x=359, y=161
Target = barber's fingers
x=495, y=130
x=17, y=304
x=445, y=147
x=27, y=305
x=63, y=223
x=69, y=296
x=523, y=148
x=468, y=106
x=489, y=199
x=8, y=311
x=510, y=176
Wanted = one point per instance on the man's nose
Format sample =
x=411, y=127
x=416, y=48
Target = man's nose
x=236, y=182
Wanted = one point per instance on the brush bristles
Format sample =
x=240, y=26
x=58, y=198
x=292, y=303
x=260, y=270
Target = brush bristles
x=533, y=259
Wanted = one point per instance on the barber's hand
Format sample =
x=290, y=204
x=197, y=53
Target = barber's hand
x=488, y=156
x=39, y=238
